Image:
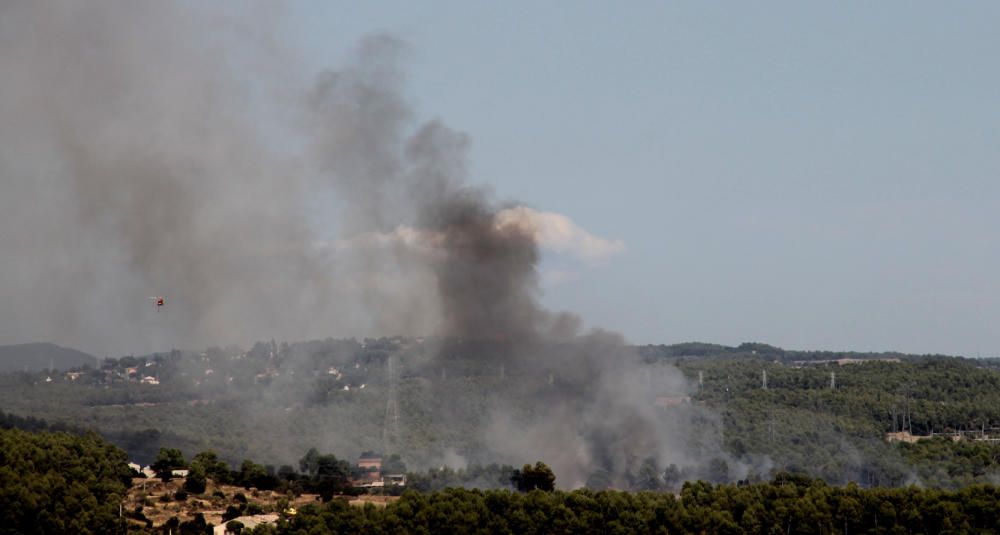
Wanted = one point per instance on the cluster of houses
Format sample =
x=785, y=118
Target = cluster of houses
x=144, y=373
x=843, y=361
x=369, y=468
x=148, y=472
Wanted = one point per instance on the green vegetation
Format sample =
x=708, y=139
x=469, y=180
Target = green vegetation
x=56, y=483
x=530, y=478
x=786, y=505
x=273, y=401
x=942, y=462
x=64, y=483
x=169, y=459
x=801, y=424
x=475, y=476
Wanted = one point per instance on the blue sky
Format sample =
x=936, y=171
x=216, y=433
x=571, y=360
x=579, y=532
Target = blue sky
x=811, y=176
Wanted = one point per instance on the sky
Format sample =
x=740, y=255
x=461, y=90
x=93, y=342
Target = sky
x=809, y=176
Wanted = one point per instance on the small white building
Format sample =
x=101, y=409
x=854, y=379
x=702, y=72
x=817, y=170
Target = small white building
x=395, y=480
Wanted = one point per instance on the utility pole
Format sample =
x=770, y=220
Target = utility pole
x=763, y=378
x=701, y=379
x=833, y=380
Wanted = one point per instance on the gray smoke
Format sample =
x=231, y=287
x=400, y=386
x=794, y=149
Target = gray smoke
x=132, y=166
x=137, y=161
x=593, y=402
x=410, y=204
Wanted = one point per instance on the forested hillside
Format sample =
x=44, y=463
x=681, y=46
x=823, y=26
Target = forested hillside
x=786, y=505
x=38, y=357
x=55, y=483
x=831, y=420
x=58, y=483
x=822, y=414
x=781, y=418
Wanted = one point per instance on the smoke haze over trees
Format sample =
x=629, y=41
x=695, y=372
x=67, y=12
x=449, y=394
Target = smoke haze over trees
x=143, y=156
x=152, y=150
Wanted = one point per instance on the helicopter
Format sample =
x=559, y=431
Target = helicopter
x=159, y=301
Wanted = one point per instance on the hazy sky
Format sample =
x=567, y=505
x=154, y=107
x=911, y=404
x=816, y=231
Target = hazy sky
x=807, y=175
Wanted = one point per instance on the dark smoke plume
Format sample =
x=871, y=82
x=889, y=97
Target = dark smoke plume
x=136, y=160
x=411, y=191
x=413, y=207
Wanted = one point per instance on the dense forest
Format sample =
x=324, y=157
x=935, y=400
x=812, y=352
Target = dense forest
x=831, y=420
x=63, y=483
x=826, y=415
x=60, y=483
x=785, y=505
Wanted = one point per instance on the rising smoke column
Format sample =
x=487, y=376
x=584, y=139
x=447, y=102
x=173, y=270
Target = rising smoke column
x=410, y=191
x=486, y=274
x=411, y=205
x=406, y=196
x=135, y=160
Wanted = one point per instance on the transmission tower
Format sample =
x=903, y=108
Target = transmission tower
x=390, y=429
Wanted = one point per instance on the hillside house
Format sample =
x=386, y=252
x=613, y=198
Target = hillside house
x=369, y=469
x=370, y=460
x=395, y=480
x=370, y=465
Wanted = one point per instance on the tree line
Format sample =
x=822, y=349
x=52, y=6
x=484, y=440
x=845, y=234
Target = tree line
x=53, y=483
x=788, y=504
x=63, y=483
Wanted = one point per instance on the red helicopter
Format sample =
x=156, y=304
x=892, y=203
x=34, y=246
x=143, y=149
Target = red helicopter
x=160, y=301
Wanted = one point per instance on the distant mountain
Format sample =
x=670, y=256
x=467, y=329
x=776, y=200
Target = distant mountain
x=36, y=357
